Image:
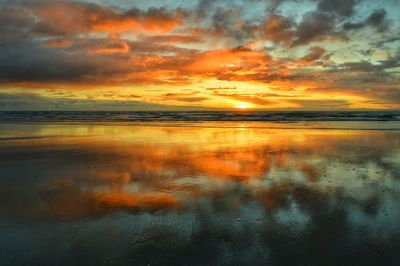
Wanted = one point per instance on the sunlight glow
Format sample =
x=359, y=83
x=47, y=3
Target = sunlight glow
x=243, y=105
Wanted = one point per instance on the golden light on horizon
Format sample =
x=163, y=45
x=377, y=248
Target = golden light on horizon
x=243, y=105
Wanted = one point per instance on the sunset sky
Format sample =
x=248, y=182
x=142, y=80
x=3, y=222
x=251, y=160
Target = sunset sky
x=199, y=55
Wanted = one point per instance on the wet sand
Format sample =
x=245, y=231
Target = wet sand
x=199, y=194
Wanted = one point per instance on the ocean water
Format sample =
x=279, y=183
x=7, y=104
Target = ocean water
x=200, y=116
x=136, y=189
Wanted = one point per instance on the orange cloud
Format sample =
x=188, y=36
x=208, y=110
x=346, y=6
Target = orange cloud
x=179, y=39
x=59, y=18
x=247, y=98
x=58, y=43
x=122, y=47
x=278, y=29
x=228, y=60
x=314, y=53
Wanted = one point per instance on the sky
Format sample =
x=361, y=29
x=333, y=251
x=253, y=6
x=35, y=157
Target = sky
x=199, y=55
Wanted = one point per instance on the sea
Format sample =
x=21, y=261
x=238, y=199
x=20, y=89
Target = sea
x=200, y=188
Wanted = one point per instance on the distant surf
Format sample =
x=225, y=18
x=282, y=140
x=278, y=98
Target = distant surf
x=198, y=116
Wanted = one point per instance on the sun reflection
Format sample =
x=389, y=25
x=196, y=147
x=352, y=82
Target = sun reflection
x=152, y=168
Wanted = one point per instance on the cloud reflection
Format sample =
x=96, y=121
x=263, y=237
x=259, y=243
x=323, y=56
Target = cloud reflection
x=152, y=168
x=209, y=188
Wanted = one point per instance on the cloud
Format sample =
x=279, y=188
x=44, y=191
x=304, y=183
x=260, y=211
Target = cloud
x=184, y=97
x=278, y=29
x=30, y=101
x=65, y=18
x=115, y=48
x=221, y=88
x=386, y=41
x=366, y=66
x=130, y=96
x=58, y=43
x=340, y=7
x=191, y=99
x=246, y=98
x=225, y=61
x=316, y=26
x=80, y=45
x=224, y=22
x=380, y=96
x=321, y=104
x=314, y=53
x=178, y=39
x=377, y=20
x=15, y=23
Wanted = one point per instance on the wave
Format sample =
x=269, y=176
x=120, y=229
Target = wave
x=198, y=116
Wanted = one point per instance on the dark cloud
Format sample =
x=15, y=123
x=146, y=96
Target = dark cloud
x=14, y=23
x=314, y=53
x=227, y=24
x=21, y=19
x=61, y=18
x=224, y=22
x=366, y=66
x=321, y=104
x=278, y=29
x=316, y=26
x=173, y=39
x=339, y=7
x=191, y=99
x=386, y=41
x=76, y=43
x=29, y=61
x=29, y=101
x=184, y=97
x=376, y=20
x=130, y=96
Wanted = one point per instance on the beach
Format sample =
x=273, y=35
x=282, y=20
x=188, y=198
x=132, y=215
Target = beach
x=210, y=193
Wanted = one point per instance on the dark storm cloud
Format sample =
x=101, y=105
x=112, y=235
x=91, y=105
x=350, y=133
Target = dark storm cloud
x=28, y=61
x=14, y=23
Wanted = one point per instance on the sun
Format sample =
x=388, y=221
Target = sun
x=242, y=105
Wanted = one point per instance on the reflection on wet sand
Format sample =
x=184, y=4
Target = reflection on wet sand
x=238, y=194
